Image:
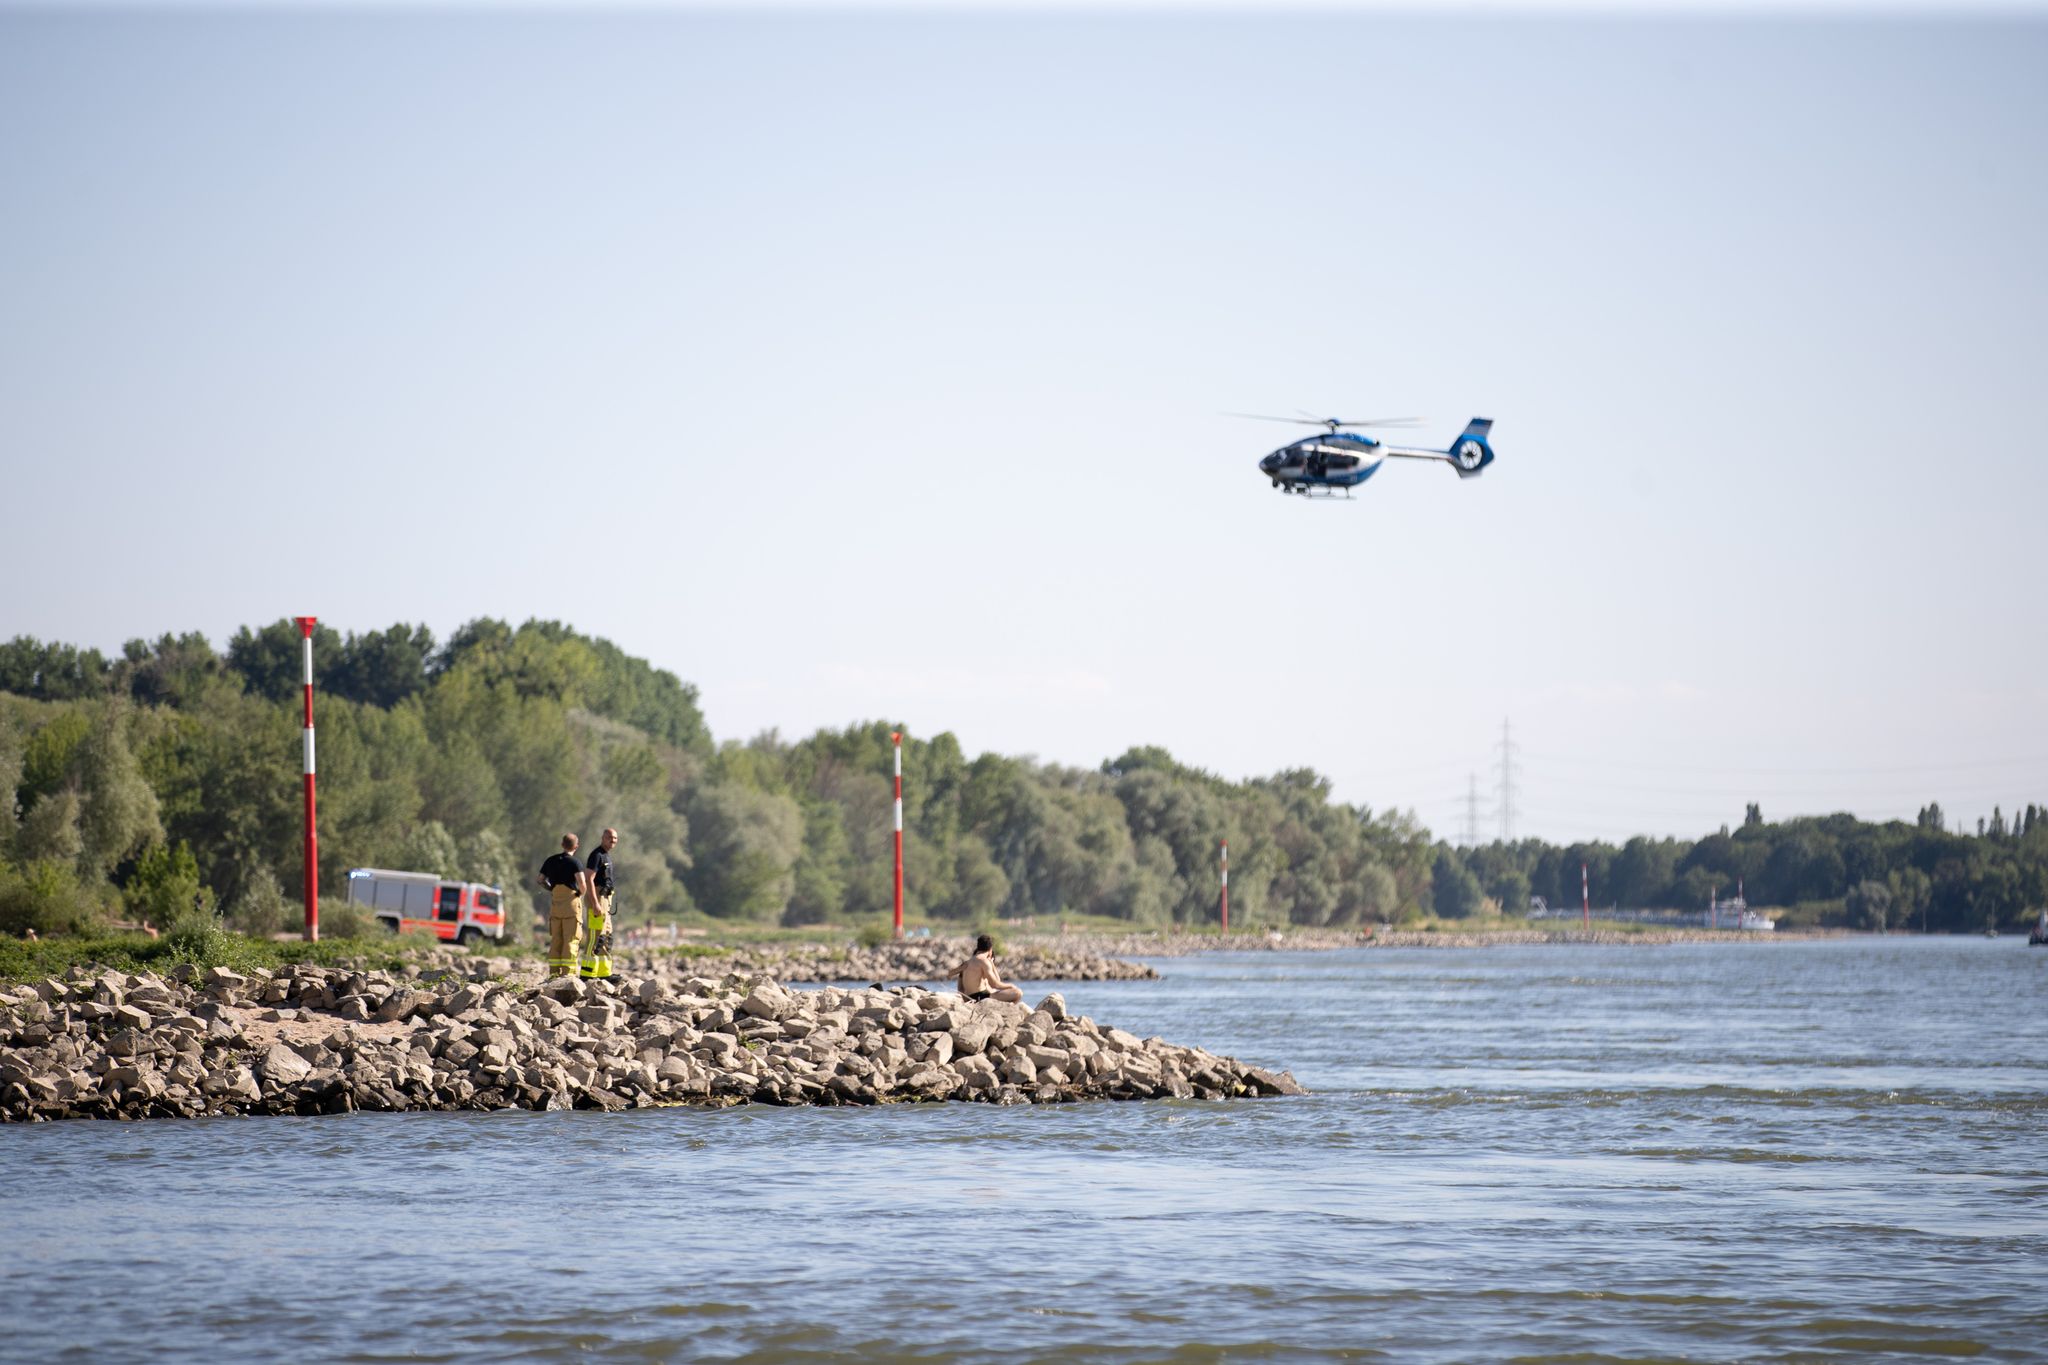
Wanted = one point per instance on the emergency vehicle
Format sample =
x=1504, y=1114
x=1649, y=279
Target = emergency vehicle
x=461, y=912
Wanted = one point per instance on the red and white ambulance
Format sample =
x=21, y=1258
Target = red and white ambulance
x=460, y=912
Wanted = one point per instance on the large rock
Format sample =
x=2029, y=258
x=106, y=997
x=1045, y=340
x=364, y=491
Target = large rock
x=770, y=1001
x=280, y=1065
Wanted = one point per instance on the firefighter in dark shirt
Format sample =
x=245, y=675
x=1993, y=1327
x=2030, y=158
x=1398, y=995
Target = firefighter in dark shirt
x=565, y=881
x=597, y=941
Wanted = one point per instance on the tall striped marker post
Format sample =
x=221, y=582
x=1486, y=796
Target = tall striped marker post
x=1585, y=899
x=1226, y=886
x=896, y=738
x=306, y=624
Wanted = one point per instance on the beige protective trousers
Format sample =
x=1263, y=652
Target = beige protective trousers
x=565, y=929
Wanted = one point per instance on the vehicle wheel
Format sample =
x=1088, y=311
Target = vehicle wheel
x=466, y=937
x=390, y=926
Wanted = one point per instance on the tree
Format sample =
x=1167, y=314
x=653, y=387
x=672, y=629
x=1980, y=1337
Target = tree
x=429, y=847
x=979, y=886
x=172, y=672
x=1379, y=899
x=486, y=857
x=261, y=909
x=52, y=672
x=381, y=668
x=164, y=887
x=1752, y=815
x=1511, y=890
x=118, y=812
x=1911, y=891
x=270, y=660
x=1868, y=904
x=10, y=781
x=1454, y=891
x=49, y=831
x=818, y=891
x=745, y=847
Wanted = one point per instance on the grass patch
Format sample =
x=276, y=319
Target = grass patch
x=24, y=961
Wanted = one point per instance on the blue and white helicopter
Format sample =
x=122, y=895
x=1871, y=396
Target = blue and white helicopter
x=1336, y=461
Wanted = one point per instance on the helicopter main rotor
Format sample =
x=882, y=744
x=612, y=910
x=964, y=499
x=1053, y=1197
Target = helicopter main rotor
x=1333, y=424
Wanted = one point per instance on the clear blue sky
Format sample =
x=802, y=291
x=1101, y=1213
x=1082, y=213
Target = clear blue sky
x=869, y=365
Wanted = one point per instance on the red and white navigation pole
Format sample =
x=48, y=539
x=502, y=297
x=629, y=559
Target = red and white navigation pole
x=1585, y=899
x=306, y=624
x=896, y=738
x=1226, y=886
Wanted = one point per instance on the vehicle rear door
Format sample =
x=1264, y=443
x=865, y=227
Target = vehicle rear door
x=447, y=910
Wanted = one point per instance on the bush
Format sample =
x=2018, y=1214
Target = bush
x=261, y=910
x=875, y=935
x=48, y=897
x=340, y=919
x=198, y=936
x=164, y=887
x=1833, y=914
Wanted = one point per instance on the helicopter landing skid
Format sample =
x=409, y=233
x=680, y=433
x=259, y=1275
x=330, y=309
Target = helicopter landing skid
x=1320, y=494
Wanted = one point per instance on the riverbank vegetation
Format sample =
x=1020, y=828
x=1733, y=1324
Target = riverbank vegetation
x=1830, y=871
x=162, y=787
x=164, y=784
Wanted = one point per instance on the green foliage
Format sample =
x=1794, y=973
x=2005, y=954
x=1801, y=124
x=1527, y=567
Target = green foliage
x=428, y=847
x=52, y=672
x=875, y=933
x=10, y=782
x=340, y=919
x=48, y=896
x=175, y=671
x=261, y=909
x=746, y=844
x=49, y=832
x=199, y=936
x=165, y=886
x=50, y=759
x=119, y=814
x=1868, y=903
x=472, y=759
x=1454, y=892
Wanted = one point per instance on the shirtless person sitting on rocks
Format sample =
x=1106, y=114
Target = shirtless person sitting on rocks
x=979, y=979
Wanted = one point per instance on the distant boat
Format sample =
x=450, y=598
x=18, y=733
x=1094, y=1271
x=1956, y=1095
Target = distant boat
x=2040, y=934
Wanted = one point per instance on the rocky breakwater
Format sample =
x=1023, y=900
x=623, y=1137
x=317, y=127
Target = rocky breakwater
x=310, y=1040
x=906, y=960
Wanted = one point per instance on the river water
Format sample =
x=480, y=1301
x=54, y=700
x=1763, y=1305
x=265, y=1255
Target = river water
x=1796, y=1151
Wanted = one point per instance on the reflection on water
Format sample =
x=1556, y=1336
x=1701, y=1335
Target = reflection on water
x=1814, y=1151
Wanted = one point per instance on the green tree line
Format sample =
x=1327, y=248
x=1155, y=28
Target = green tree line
x=1829, y=870
x=167, y=780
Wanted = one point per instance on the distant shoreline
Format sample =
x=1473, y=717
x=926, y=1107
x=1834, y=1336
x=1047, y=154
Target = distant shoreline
x=1325, y=940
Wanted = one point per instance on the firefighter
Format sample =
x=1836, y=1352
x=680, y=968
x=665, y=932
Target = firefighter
x=597, y=891
x=564, y=881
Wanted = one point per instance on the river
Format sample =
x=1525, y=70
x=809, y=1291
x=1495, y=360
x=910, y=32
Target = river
x=1807, y=1151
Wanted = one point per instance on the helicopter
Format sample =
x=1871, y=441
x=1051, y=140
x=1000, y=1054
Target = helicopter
x=1333, y=463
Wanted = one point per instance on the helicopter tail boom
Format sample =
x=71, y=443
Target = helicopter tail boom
x=1469, y=455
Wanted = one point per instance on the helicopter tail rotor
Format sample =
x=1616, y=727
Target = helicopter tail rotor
x=1471, y=453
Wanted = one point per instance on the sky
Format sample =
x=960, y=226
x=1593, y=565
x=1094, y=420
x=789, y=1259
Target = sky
x=868, y=364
